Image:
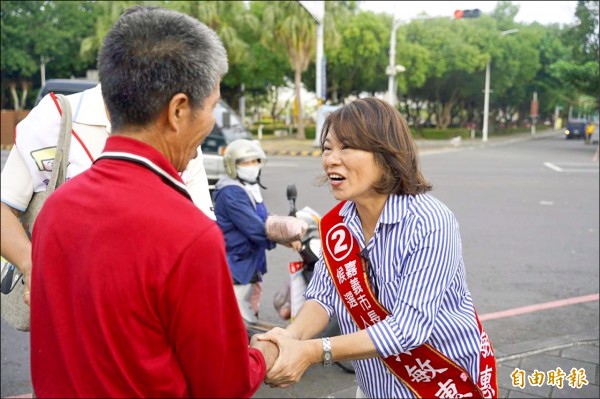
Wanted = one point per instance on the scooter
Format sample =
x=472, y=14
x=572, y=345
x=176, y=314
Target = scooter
x=303, y=271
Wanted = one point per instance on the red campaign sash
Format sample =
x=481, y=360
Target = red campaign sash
x=424, y=370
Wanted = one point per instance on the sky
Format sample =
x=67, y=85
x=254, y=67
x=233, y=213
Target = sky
x=545, y=13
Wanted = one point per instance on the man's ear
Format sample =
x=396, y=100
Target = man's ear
x=179, y=110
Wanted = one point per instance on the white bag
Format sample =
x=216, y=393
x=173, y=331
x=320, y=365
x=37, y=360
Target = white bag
x=13, y=308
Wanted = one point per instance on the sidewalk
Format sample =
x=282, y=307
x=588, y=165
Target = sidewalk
x=577, y=356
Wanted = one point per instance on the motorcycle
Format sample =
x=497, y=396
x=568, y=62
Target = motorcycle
x=302, y=272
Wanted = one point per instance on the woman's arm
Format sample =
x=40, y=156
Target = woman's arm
x=297, y=351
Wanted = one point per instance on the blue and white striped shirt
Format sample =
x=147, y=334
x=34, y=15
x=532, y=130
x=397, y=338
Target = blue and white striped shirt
x=416, y=254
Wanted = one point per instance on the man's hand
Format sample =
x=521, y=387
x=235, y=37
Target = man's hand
x=27, y=289
x=269, y=350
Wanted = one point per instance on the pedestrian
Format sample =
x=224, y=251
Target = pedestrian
x=392, y=271
x=242, y=216
x=589, y=131
x=132, y=295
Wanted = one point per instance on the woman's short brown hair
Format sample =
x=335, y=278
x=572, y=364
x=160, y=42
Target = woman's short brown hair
x=372, y=125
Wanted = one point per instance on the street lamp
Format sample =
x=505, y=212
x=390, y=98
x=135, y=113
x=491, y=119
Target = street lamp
x=486, y=100
x=393, y=69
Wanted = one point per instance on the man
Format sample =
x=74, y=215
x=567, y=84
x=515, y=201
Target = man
x=132, y=294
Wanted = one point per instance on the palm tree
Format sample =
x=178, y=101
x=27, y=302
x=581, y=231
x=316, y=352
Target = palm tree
x=287, y=25
x=224, y=17
x=108, y=13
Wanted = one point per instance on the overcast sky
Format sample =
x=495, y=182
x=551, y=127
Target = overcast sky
x=544, y=12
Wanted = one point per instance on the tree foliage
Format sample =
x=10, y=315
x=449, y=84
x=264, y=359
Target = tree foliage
x=272, y=44
x=33, y=31
x=579, y=69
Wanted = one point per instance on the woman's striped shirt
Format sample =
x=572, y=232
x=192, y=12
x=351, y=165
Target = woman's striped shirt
x=416, y=255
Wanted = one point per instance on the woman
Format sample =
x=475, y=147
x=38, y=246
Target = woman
x=392, y=271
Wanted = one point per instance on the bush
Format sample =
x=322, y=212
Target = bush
x=269, y=130
x=439, y=134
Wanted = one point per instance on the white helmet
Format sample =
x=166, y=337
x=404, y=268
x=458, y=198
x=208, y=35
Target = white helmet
x=242, y=150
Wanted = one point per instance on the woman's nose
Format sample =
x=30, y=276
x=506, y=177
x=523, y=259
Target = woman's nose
x=331, y=158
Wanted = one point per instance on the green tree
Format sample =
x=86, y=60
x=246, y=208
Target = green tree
x=451, y=51
x=580, y=70
x=357, y=64
x=41, y=30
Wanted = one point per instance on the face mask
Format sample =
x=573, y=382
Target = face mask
x=248, y=173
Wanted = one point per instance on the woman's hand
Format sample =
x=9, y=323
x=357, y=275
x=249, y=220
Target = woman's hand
x=294, y=358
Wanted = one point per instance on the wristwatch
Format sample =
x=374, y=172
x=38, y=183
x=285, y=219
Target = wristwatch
x=327, y=357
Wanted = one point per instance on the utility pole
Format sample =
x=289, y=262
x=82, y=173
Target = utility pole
x=486, y=103
x=534, y=112
x=486, y=99
x=242, y=105
x=392, y=69
x=316, y=9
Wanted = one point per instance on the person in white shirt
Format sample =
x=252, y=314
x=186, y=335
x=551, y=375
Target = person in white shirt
x=29, y=165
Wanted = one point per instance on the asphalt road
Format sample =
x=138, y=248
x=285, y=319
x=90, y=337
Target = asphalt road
x=529, y=215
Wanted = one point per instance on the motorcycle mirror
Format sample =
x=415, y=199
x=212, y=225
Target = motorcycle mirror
x=292, y=193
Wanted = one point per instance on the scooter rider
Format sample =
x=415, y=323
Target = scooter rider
x=248, y=228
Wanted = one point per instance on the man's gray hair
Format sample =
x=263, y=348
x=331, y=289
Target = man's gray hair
x=151, y=54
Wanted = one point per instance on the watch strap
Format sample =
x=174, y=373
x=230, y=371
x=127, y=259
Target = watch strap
x=327, y=356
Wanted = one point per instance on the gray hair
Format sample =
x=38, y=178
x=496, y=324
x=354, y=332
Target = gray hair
x=151, y=54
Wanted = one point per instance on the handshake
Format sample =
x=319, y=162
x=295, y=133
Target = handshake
x=286, y=356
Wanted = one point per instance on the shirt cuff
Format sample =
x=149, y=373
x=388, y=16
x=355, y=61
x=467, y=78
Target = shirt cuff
x=385, y=337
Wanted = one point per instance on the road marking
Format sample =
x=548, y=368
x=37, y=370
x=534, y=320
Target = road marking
x=539, y=306
x=573, y=167
x=552, y=166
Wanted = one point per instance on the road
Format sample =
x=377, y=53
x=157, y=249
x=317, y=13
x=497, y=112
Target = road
x=529, y=217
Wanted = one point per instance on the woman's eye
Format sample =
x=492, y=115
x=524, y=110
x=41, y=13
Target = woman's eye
x=326, y=148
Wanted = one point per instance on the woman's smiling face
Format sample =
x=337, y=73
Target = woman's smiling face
x=351, y=172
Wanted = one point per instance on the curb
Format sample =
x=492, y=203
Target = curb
x=522, y=349
x=302, y=153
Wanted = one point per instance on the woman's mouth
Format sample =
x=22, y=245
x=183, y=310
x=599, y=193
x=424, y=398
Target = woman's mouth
x=335, y=179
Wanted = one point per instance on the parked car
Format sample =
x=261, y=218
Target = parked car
x=228, y=126
x=64, y=86
x=575, y=128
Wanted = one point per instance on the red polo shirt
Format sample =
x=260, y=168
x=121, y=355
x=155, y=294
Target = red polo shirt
x=131, y=293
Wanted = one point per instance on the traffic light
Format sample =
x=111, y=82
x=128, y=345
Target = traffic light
x=475, y=13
